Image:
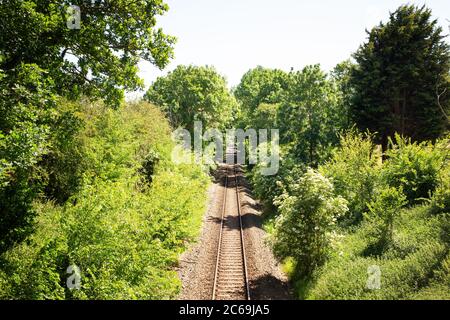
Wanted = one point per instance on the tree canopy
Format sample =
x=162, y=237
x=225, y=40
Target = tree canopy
x=100, y=59
x=191, y=93
x=261, y=85
x=400, y=72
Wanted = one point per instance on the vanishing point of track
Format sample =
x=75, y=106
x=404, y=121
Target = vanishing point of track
x=230, y=277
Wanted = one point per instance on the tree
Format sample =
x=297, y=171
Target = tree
x=341, y=75
x=191, y=93
x=399, y=71
x=100, y=59
x=260, y=85
x=41, y=59
x=309, y=116
x=383, y=211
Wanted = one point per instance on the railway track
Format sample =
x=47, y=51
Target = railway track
x=230, y=278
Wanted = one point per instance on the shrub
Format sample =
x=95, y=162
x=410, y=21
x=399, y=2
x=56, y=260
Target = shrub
x=382, y=213
x=347, y=278
x=304, y=229
x=27, y=107
x=64, y=164
x=440, y=201
x=414, y=266
x=267, y=187
x=414, y=167
x=34, y=268
x=124, y=235
x=354, y=171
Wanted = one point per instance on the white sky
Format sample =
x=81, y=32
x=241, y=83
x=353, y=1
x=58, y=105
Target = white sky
x=236, y=35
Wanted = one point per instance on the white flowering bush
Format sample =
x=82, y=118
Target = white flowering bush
x=305, y=227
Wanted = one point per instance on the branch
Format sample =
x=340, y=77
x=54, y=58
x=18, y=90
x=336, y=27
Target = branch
x=438, y=96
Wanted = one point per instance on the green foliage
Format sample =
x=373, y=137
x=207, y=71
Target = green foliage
x=354, y=170
x=308, y=212
x=439, y=286
x=414, y=267
x=98, y=60
x=383, y=212
x=33, y=269
x=440, y=201
x=399, y=277
x=309, y=116
x=400, y=70
x=41, y=59
x=408, y=243
x=27, y=111
x=265, y=116
x=341, y=76
x=306, y=106
x=267, y=187
x=191, y=93
x=64, y=163
x=124, y=232
x=413, y=167
x=260, y=86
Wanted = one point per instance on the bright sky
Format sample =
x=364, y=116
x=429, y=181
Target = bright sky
x=236, y=35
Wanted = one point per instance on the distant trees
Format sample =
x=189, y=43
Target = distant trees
x=305, y=105
x=310, y=115
x=261, y=85
x=191, y=93
x=400, y=72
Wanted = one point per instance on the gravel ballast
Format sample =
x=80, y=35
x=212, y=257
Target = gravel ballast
x=197, y=265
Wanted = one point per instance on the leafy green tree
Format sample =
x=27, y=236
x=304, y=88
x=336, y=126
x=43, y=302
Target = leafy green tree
x=400, y=72
x=260, y=85
x=191, y=93
x=309, y=116
x=100, y=59
x=42, y=59
x=341, y=75
x=265, y=116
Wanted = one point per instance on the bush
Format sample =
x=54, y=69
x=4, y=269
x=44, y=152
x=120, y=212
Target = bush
x=440, y=201
x=267, y=187
x=412, y=267
x=64, y=164
x=123, y=234
x=399, y=278
x=354, y=171
x=27, y=107
x=382, y=213
x=414, y=167
x=304, y=229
